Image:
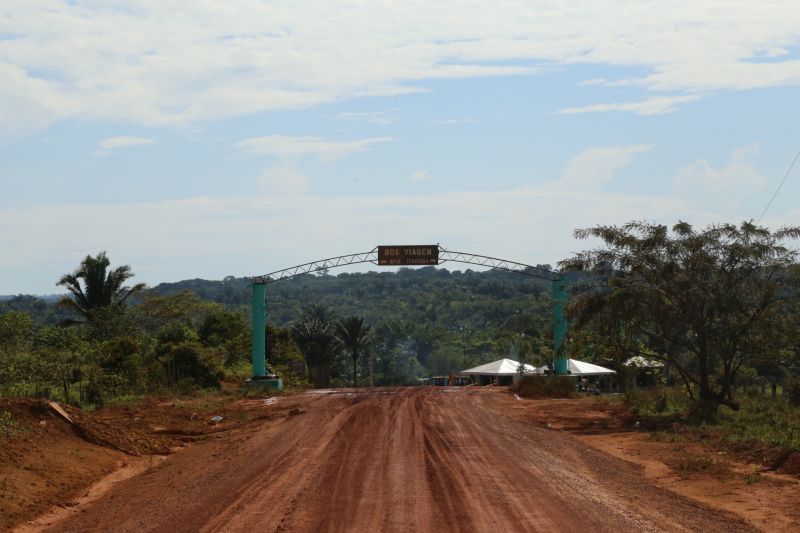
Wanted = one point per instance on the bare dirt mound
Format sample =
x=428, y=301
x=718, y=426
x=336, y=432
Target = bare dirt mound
x=791, y=465
x=49, y=453
x=129, y=440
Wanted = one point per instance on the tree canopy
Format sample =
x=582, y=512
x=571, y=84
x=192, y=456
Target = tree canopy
x=705, y=301
x=355, y=336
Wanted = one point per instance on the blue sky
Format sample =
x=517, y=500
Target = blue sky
x=199, y=140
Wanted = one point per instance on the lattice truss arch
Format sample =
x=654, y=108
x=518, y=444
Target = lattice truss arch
x=317, y=266
x=500, y=264
x=372, y=257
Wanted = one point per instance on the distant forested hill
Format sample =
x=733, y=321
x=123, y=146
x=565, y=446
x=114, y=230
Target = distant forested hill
x=431, y=295
x=43, y=309
x=469, y=316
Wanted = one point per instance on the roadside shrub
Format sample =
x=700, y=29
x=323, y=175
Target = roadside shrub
x=658, y=401
x=772, y=422
x=689, y=463
x=791, y=389
x=544, y=387
x=189, y=360
x=8, y=426
x=775, y=422
x=104, y=385
x=292, y=378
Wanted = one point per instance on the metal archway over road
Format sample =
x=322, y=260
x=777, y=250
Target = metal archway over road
x=402, y=255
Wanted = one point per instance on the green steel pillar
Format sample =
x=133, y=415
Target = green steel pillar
x=560, y=326
x=259, y=335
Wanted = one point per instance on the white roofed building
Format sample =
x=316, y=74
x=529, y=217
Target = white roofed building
x=500, y=372
x=581, y=368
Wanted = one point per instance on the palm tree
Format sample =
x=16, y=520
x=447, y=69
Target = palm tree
x=101, y=287
x=355, y=336
x=320, y=346
x=320, y=312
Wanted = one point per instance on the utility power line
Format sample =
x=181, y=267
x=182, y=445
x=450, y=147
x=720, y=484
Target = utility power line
x=764, y=212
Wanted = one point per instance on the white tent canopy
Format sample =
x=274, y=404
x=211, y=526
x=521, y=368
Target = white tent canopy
x=580, y=368
x=501, y=367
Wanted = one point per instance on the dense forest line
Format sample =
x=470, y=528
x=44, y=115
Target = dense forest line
x=718, y=308
x=436, y=295
x=437, y=319
x=469, y=314
x=424, y=321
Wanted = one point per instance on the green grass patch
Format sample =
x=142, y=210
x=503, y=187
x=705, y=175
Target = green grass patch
x=767, y=420
x=773, y=422
x=127, y=400
x=659, y=402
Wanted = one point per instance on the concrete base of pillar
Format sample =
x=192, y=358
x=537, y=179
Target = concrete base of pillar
x=267, y=382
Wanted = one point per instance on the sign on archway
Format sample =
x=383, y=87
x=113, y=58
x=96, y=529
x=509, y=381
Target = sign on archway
x=408, y=255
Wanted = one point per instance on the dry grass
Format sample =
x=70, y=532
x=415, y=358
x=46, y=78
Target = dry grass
x=693, y=463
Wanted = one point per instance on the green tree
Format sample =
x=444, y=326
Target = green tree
x=320, y=312
x=226, y=330
x=59, y=357
x=186, y=361
x=186, y=307
x=320, y=346
x=94, y=286
x=285, y=357
x=355, y=337
x=16, y=333
x=16, y=329
x=703, y=301
x=221, y=327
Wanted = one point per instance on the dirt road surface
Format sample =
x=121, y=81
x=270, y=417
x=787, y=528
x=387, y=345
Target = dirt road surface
x=421, y=459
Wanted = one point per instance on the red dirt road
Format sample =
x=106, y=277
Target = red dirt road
x=422, y=459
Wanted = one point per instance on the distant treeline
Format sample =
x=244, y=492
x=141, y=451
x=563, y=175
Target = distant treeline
x=424, y=321
x=444, y=319
x=435, y=294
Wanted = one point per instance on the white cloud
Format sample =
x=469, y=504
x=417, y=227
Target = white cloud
x=123, y=141
x=420, y=175
x=383, y=118
x=166, y=62
x=594, y=167
x=729, y=185
x=656, y=105
x=283, y=180
x=776, y=51
x=28, y=103
x=594, y=81
x=451, y=121
x=286, y=146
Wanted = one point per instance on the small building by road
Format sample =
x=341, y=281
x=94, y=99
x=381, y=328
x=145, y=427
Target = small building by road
x=500, y=372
